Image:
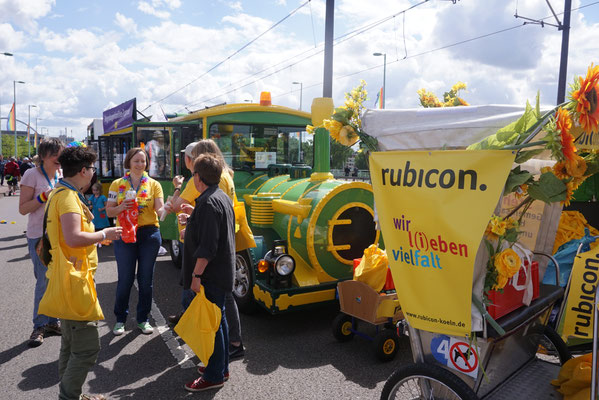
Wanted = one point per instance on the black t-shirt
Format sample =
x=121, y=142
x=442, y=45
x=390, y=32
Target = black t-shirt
x=210, y=234
x=24, y=167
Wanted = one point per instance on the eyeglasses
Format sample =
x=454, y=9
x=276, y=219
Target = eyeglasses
x=94, y=169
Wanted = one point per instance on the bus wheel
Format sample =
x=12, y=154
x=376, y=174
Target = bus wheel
x=243, y=283
x=176, y=250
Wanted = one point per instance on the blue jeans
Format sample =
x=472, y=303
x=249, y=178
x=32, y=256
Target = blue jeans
x=218, y=365
x=140, y=255
x=39, y=271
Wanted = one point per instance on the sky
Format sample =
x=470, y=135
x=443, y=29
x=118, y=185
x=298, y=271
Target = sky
x=79, y=58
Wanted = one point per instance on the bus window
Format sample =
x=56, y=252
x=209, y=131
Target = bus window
x=240, y=143
x=155, y=142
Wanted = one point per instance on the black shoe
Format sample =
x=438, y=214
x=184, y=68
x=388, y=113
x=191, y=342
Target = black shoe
x=36, y=338
x=174, y=319
x=53, y=329
x=236, y=351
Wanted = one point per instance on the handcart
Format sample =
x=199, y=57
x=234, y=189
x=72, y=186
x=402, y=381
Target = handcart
x=359, y=302
x=518, y=354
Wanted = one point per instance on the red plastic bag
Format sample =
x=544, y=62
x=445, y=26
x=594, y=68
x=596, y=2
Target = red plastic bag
x=128, y=221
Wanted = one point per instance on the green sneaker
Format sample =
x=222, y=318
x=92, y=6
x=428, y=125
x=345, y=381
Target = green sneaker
x=119, y=329
x=145, y=328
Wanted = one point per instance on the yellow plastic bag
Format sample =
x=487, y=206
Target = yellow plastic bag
x=198, y=325
x=71, y=292
x=244, y=239
x=574, y=379
x=373, y=268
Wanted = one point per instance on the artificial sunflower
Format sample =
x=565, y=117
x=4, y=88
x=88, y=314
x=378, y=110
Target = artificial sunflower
x=584, y=98
x=576, y=167
x=569, y=193
x=333, y=126
x=563, y=123
x=348, y=136
x=560, y=170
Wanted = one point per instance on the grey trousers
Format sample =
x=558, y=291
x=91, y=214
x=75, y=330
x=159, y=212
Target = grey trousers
x=79, y=350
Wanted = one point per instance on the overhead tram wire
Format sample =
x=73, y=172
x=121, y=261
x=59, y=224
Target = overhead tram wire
x=338, y=40
x=231, y=56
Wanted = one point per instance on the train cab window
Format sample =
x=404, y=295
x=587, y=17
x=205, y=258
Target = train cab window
x=112, y=155
x=156, y=142
x=252, y=147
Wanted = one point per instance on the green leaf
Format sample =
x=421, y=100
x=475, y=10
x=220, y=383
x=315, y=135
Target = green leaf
x=511, y=235
x=490, y=248
x=526, y=155
x=549, y=189
x=516, y=178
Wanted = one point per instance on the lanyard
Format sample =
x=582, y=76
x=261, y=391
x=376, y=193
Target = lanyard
x=48, y=179
x=68, y=185
x=138, y=186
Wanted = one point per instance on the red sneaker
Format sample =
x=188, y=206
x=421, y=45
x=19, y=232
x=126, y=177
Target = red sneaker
x=201, y=370
x=200, y=384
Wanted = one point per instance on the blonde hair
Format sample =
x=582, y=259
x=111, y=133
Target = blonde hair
x=208, y=146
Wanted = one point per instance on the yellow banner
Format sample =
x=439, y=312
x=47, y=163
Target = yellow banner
x=433, y=208
x=578, y=321
x=586, y=141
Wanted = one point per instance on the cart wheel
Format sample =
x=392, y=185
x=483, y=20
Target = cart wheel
x=426, y=381
x=386, y=343
x=552, y=348
x=342, y=328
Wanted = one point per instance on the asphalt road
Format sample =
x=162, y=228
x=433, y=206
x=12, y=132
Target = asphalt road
x=290, y=356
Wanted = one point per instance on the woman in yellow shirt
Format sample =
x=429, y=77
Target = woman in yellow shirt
x=141, y=254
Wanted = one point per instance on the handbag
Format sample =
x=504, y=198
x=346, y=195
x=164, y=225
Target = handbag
x=71, y=291
x=42, y=247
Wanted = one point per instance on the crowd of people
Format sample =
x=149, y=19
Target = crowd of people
x=53, y=198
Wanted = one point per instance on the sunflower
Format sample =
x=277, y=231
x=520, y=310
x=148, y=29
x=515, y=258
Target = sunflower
x=569, y=194
x=585, y=100
x=560, y=170
x=563, y=123
x=576, y=167
x=333, y=127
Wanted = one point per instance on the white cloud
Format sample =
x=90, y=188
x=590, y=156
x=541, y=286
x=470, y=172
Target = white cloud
x=126, y=24
x=150, y=9
x=24, y=13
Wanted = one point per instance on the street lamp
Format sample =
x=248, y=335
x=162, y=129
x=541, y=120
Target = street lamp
x=301, y=91
x=1, y=153
x=29, y=129
x=384, y=73
x=14, y=91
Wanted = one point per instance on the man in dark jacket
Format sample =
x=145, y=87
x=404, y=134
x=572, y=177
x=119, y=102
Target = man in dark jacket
x=209, y=260
x=25, y=165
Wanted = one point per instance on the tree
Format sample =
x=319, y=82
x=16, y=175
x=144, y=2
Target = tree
x=362, y=160
x=339, y=154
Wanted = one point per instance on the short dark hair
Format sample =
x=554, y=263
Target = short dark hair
x=73, y=159
x=50, y=147
x=209, y=168
x=132, y=153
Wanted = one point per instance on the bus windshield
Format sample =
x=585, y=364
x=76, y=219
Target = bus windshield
x=253, y=146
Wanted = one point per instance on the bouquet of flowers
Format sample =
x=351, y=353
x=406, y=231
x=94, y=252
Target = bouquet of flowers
x=531, y=135
x=345, y=125
x=450, y=98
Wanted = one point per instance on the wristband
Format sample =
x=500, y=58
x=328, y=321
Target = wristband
x=197, y=275
x=103, y=235
x=39, y=199
x=177, y=188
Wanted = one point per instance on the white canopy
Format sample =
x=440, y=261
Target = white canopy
x=435, y=128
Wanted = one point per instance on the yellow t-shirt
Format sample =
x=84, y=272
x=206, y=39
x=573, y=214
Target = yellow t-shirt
x=65, y=201
x=190, y=193
x=146, y=194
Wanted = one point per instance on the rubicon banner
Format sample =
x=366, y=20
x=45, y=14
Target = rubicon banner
x=433, y=208
x=120, y=117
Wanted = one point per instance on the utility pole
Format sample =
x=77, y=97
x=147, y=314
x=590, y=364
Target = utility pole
x=563, y=64
x=329, y=26
x=565, y=28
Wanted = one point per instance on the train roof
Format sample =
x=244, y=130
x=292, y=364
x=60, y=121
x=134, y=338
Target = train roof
x=223, y=109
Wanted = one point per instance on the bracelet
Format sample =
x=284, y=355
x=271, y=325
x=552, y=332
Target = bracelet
x=197, y=275
x=103, y=235
x=177, y=188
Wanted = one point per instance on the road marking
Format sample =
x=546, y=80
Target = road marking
x=182, y=354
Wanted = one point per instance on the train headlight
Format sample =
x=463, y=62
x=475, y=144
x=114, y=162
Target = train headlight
x=285, y=265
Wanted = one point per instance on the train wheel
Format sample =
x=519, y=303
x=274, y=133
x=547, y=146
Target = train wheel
x=243, y=284
x=426, y=381
x=386, y=343
x=176, y=249
x=552, y=348
x=342, y=328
